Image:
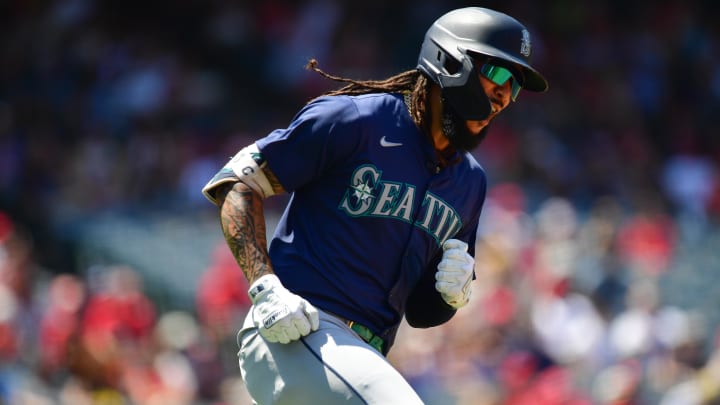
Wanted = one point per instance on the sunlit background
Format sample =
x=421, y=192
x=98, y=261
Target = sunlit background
x=598, y=254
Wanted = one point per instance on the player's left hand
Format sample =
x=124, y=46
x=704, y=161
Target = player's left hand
x=454, y=273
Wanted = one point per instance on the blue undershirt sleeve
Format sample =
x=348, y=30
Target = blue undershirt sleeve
x=425, y=307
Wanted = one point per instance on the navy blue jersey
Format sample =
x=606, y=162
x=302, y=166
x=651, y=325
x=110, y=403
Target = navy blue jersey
x=369, y=207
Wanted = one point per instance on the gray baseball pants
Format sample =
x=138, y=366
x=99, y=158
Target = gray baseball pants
x=332, y=365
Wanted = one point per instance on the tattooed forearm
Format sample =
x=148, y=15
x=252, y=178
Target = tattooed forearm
x=243, y=224
x=274, y=182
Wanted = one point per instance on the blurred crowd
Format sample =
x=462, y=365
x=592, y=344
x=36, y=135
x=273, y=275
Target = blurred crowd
x=130, y=107
x=97, y=338
x=568, y=311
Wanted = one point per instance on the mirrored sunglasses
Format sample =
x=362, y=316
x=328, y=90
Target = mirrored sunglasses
x=500, y=75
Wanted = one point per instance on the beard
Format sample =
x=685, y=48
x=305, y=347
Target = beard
x=457, y=132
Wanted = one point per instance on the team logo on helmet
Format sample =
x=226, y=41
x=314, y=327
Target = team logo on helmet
x=525, y=44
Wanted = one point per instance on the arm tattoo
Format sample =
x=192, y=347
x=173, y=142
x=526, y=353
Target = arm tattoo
x=274, y=182
x=243, y=225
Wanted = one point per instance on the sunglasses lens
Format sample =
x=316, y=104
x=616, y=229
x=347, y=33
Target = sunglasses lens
x=497, y=74
x=500, y=75
x=515, y=90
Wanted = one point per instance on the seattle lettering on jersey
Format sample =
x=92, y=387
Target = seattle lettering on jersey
x=369, y=196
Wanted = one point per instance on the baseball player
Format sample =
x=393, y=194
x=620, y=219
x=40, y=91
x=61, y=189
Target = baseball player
x=381, y=223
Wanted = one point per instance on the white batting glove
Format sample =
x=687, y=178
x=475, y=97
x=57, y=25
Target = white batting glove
x=280, y=315
x=454, y=273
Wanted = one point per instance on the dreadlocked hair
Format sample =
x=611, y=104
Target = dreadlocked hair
x=411, y=82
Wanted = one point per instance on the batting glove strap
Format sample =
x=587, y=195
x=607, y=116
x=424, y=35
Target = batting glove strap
x=280, y=315
x=454, y=274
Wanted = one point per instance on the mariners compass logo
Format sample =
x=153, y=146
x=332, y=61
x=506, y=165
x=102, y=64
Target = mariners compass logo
x=525, y=44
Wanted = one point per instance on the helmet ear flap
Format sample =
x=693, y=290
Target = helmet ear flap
x=458, y=79
x=445, y=64
x=451, y=65
x=465, y=93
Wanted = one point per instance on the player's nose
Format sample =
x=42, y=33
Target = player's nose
x=502, y=93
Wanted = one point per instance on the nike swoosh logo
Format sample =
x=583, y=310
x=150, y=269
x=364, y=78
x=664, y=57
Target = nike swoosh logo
x=387, y=144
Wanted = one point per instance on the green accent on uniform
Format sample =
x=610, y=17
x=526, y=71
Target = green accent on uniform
x=223, y=174
x=372, y=339
x=257, y=157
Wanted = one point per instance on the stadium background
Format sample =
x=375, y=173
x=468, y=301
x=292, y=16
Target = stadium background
x=598, y=252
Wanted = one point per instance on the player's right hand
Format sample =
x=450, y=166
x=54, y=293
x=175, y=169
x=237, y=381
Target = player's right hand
x=280, y=315
x=455, y=272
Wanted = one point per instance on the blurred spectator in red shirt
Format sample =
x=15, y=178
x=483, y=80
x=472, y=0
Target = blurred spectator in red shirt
x=116, y=329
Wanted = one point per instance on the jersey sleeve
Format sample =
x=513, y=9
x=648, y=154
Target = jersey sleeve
x=325, y=132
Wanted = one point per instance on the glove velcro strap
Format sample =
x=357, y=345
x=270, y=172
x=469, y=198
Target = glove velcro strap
x=367, y=335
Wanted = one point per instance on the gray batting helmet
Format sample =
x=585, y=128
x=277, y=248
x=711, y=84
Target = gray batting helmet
x=446, y=56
